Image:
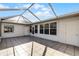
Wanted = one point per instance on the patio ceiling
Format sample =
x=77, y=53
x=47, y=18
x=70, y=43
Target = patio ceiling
x=36, y=12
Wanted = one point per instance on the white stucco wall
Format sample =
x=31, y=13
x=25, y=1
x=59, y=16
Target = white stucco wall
x=67, y=31
x=19, y=30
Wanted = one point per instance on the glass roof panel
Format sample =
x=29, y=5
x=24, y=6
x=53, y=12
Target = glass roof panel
x=14, y=19
x=42, y=11
x=15, y=5
x=12, y=6
x=17, y=19
x=65, y=8
x=30, y=17
x=9, y=13
x=22, y=20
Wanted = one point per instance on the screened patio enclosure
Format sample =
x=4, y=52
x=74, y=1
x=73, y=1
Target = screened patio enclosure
x=52, y=27
x=28, y=13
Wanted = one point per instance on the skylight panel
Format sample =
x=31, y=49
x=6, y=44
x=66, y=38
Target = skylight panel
x=42, y=11
x=22, y=20
x=65, y=8
x=30, y=17
x=9, y=13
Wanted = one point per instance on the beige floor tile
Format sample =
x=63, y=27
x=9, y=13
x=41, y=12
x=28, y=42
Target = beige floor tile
x=70, y=50
x=76, y=51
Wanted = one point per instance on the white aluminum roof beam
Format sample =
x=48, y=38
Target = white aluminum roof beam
x=53, y=10
x=14, y=9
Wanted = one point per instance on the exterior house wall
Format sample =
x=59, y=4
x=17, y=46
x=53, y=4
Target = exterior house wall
x=67, y=31
x=19, y=30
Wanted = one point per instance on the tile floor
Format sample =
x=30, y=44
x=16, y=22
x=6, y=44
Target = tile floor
x=33, y=46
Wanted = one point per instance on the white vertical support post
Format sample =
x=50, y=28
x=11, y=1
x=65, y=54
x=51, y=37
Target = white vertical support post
x=38, y=28
x=49, y=28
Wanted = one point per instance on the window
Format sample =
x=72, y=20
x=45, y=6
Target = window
x=36, y=29
x=41, y=29
x=8, y=28
x=46, y=28
x=53, y=28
